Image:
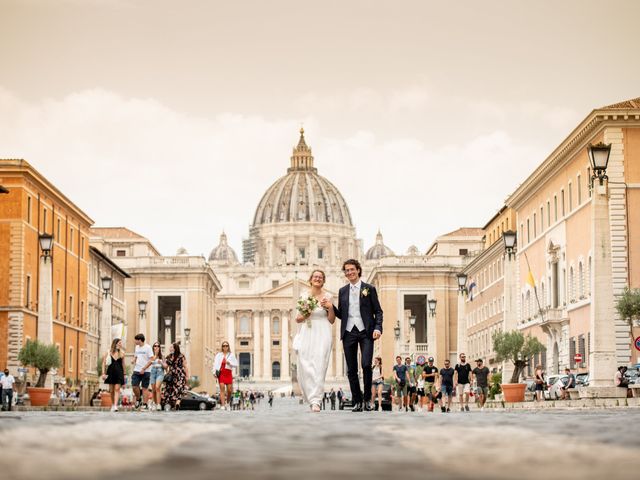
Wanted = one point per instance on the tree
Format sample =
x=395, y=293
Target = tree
x=628, y=307
x=193, y=383
x=517, y=348
x=40, y=356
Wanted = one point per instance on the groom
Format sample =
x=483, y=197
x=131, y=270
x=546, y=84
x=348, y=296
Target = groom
x=361, y=324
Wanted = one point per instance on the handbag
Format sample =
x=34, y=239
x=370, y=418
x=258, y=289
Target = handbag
x=217, y=373
x=168, y=378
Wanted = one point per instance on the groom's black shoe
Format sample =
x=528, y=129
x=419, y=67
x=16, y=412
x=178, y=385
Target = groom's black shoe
x=368, y=407
x=357, y=407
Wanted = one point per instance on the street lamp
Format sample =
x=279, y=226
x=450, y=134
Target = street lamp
x=509, y=239
x=107, y=282
x=46, y=242
x=187, y=334
x=462, y=282
x=599, y=158
x=412, y=321
x=142, y=307
x=432, y=306
x=396, y=330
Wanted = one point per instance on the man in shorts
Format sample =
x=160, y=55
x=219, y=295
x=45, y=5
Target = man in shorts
x=446, y=389
x=140, y=378
x=412, y=390
x=401, y=374
x=481, y=378
x=430, y=381
x=462, y=382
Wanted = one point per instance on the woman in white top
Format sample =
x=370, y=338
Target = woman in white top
x=223, y=366
x=314, y=341
x=377, y=381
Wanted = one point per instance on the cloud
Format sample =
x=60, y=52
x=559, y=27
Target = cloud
x=180, y=180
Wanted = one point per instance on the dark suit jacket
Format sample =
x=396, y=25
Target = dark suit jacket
x=370, y=309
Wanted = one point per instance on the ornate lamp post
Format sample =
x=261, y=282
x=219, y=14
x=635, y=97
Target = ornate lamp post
x=107, y=283
x=412, y=335
x=45, y=289
x=602, y=347
x=187, y=343
x=432, y=306
x=142, y=311
x=168, y=320
x=509, y=239
x=462, y=283
x=396, y=334
x=106, y=315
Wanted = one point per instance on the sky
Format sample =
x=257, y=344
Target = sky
x=172, y=118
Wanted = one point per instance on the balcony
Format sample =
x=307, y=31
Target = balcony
x=554, y=319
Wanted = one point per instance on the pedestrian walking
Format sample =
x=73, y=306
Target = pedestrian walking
x=270, y=399
x=340, y=396
x=540, y=383
x=176, y=377
x=430, y=382
x=156, y=366
x=446, y=386
x=481, y=378
x=140, y=378
x=411, y=385
x=113, y=368
x=377, y=382
x=7, y=382
x=223, y=365
x=462, y=382
x=332, y=397
x=401, y=375
x=421, y=390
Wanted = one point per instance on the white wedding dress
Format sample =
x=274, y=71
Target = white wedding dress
x=313, y=345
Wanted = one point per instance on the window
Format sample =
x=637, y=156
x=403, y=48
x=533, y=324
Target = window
x=71, y=239
x=320, y=253
x=579, y=184
x=541, y=220
x=463, y=251
x=81, y=247
x=275, y=326
x=70, y=364
x=275, y=343
x=244, y=284
x=555, y=208
x=562, y=203
x=28, y=209
x=244, y=343
x=535, y=226
x=580, y=280
x=301, y=252
x=275, y=370
x=70, y=315
x=28, y=292
x=57, y=303
x=570, y=197
x=244, y=324
x=275, y=283
x=528, y=231
x=81, y=312
x=589, y=181
x=121, y=253
x=58, y=231
x=44, y=219
x=571, y=286
x=521, y=231
x=548, y=214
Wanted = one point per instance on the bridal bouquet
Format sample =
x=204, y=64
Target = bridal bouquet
x=306, y=306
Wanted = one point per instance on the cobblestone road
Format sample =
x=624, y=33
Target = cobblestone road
x=287, y=442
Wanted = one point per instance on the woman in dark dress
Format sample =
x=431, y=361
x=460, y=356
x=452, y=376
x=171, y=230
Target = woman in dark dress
x=540, y=383
x=113, y=368
x=178, y=374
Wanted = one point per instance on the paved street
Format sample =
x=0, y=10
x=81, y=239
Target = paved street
x=288, y=442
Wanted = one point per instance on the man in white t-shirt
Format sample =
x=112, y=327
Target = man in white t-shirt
x=7, y=382
x=140, y=378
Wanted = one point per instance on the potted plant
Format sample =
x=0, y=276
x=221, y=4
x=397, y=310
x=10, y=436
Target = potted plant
x=628, y=307
x=517, y=348
x=43, y=358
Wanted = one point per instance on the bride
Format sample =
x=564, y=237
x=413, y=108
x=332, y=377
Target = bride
x=314, y=342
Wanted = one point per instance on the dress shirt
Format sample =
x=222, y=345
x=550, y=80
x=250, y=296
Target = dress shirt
x=355, y=319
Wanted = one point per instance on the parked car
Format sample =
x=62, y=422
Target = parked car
x=386, y=398
x=554, y=385
x=582, y=379
x=632, y=375
x=194, y=401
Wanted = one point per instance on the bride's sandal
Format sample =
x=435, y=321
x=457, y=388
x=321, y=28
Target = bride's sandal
x=315, y=408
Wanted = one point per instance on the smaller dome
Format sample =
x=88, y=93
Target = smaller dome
x=379, y=250
x=182, y=252
x=223, y=253
x=413, y=251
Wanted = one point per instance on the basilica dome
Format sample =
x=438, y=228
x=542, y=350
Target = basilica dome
x=302, y=195
x=223, y=253
x=379, y=250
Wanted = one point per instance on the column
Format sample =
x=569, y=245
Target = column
x=432, y=325
x=462, y=326
x=602, y=348
x=45, y=301
x=510, y=319
x=231, y=329
x=257, y=366
x=266, y=345
x=105, y=325
x=284, y=361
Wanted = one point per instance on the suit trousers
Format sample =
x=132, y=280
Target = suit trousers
x=350, y=343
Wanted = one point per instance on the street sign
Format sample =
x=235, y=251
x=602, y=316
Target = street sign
x=23, y=370
x=421, y=360
x=636, y=342
x=577, y=358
